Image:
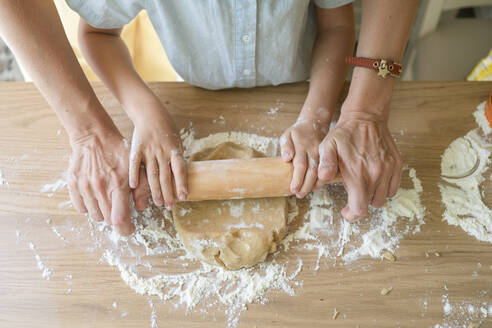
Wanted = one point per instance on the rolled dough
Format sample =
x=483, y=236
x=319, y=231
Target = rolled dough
x=233, y=233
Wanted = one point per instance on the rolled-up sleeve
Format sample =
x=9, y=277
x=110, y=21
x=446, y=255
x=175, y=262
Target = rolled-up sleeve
x=106, y=13
x=328, y=4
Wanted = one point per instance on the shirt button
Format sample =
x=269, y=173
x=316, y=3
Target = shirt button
x=246, y=38
x=246, y=72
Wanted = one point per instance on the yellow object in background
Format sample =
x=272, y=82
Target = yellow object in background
x=142, y=41
x=483, y=71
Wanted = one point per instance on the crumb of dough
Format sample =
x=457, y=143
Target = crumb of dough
x=335, y=314
x=389, y=256
x=385, y=291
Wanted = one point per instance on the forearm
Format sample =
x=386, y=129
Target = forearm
x=334, y=42
x=110, y=59
x=328, y=70
x=384, y=33
x=34, y=32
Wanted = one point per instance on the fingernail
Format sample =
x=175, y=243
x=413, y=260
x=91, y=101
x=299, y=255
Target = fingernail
x=182, y=196
x=299, y=195
x=158, y=202
x=169, y=207
x=132, y=184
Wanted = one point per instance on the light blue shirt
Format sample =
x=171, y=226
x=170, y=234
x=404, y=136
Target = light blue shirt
x=217, y=44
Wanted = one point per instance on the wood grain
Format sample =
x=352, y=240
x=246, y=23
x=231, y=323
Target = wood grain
x=426, y=117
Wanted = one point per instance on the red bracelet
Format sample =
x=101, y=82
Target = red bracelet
x=383, y=67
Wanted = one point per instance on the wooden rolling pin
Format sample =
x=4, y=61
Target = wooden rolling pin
x=240, y=178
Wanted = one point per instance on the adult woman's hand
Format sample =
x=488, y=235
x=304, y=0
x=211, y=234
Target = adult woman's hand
x=361, y=148
x=98, y=178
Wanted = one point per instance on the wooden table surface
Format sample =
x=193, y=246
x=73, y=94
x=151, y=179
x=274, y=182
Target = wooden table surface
x=425, y=118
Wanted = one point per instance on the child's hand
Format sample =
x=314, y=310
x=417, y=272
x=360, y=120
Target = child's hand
x=299, y=144
x=157, y=145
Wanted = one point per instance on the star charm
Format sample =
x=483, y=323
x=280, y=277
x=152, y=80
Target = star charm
x=383, y=69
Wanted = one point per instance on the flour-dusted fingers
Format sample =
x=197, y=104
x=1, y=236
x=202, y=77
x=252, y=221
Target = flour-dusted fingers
x=357, y=198
x=166, y=183
x=153, y=178
x=311, y=175
x=98, y=189
x=328, y=160
x=300, y=144
x=142, y=194
x=75, y=197
x=103, y=202
x=394, y=183
x=91, y=203
x=286, y=146
x=178, y=167
x=135, y=162
x=120, y=211
x=381, y=192
x=300, y=167
x=319, y=184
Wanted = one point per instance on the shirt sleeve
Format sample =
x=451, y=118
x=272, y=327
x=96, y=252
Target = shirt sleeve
x=106, y=13
x=328, y=4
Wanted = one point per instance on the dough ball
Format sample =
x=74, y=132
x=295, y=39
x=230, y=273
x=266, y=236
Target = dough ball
x=234, y=233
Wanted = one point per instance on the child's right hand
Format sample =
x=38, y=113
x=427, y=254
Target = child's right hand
x=156, y=144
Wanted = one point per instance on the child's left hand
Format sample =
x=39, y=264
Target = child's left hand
x=299, y=144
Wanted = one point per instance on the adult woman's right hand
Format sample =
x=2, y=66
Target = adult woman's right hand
x=98, y=178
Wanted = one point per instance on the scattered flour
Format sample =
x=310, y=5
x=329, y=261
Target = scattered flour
x=464, y=313
x=386, y=232
x=243, y=225
x=65, y=204
x=153, y=315
x=53, y=187
x=268, y=146
x=154, y=262
x=463, y=197
x=46, y=271
x=3, y=181
x=59, y=235
x=381, y=231
x=236, y=210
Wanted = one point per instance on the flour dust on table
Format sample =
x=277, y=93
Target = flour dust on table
x=463, y=196
x=155, y=262
x=3, y=181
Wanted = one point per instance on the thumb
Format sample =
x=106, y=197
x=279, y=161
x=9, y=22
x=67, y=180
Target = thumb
x=328, y=162
x=286, y=147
